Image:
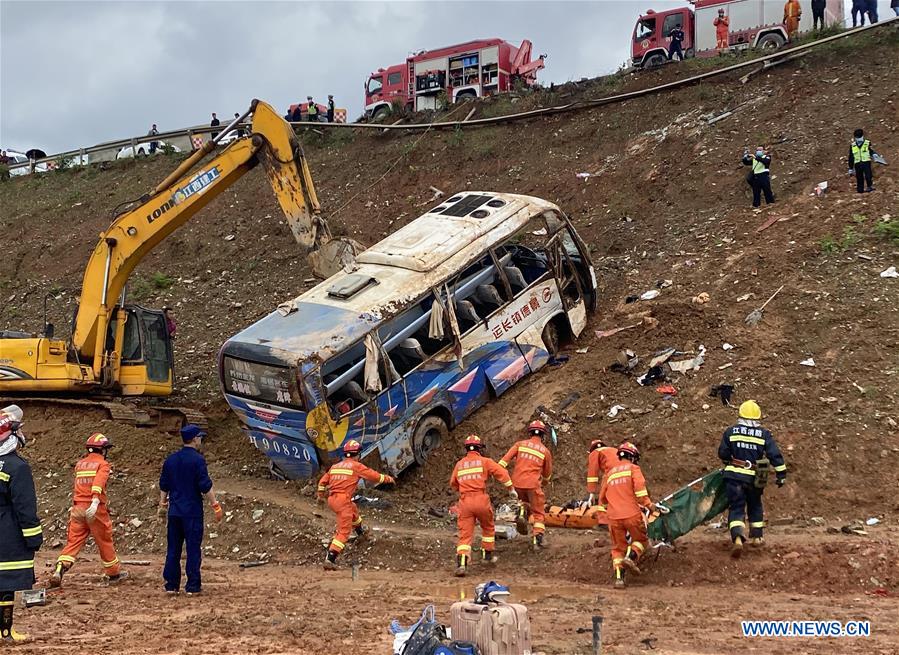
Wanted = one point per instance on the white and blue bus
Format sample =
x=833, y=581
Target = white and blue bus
x=430, y=323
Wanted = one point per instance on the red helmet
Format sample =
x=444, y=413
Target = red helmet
x=596, y=443
x=97, y=440
x=630, y=450
x=537, y=427
x=473, y=441
x=352, y=447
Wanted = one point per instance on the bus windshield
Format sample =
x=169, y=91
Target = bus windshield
x=274, y=384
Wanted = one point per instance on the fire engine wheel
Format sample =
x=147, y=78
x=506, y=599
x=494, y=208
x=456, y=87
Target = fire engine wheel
x=689, y=53
x=428, y=435
x=771, y=42
x=655, y=60
x=380, y=113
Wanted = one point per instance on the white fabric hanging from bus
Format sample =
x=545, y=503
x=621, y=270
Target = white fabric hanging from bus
x=454, y=326
x=435, y=327
x=372, y=359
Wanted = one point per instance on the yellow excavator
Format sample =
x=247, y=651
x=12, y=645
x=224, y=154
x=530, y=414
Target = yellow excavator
x=120, y=349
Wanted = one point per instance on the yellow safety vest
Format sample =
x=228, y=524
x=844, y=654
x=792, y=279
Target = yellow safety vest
x=861, y=153
x=311, y=109
x=758, y=167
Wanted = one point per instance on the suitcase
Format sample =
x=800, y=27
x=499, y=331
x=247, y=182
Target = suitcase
x=496, y=629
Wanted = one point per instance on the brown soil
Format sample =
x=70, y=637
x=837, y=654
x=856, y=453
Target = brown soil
x=668, y=202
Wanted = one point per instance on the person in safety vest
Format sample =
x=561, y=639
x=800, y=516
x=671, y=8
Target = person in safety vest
x=624, y=494
x=89, y=515
x=760, y=176
x=600, y=460
x=722, y=31
x=340, y=484
x=533, y=466
x=792, y=14
x=311, y=110
x=20, y=528
x=469, y=479
x=748, y=451
x=861, y=153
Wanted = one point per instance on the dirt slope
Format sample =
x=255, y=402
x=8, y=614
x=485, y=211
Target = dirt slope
x=666, y=201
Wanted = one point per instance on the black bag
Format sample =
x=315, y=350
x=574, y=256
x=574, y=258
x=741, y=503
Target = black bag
x=762, y=467
x=427, y=636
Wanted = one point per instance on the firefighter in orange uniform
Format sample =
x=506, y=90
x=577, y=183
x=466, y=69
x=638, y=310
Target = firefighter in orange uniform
x=89, y=515
x=722, y=30
x=469, y=478
x=533, y=467
x=624, y=493
x=340, y=482
x=599, y=461
x=792, y=14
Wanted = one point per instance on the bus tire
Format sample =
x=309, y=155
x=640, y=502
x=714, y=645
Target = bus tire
x=551, y=337
x=428, y=434
x=772, y=41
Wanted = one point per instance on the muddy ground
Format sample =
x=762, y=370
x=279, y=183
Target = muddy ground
x=666, y=201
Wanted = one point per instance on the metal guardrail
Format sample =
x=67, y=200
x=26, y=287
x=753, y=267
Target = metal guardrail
x=478, y=122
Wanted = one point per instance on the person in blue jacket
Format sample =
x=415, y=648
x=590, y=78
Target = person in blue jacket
x=742, y=447
x=182, y=485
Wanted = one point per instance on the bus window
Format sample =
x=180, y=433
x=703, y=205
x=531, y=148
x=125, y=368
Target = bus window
x=524, y=255
x=259, y=381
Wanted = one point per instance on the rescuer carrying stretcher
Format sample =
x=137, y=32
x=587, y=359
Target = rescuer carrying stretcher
x=533, y=466
x=340, y=484
x=600, y=460
x=469, y=478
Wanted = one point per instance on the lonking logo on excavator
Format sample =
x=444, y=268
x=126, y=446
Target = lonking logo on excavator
x=196, y=185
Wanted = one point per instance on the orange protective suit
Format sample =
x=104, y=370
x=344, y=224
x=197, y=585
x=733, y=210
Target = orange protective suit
x=533, y=467
x=792, y=14
x=599, y=462
x=91, y=475
x=340, y=481
x=722, y=31
x=623, y=493
x=469, y=478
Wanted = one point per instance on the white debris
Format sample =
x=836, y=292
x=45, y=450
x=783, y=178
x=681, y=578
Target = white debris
x=649, y=295
x=808, y=362
x=613, y=412
x=257, y=515
x=890, y=272
x=727, y=346
x=872, y=521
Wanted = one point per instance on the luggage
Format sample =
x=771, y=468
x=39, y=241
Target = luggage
x=427, y=635
x=496, y=629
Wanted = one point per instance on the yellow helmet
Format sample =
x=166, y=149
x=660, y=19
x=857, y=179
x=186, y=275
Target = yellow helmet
x=750, y=410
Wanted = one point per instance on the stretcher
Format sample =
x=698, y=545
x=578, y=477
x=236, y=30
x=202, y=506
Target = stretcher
x=688, y=507
x=579, y=518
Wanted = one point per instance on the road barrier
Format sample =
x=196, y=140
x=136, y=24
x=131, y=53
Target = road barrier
x=192, y=132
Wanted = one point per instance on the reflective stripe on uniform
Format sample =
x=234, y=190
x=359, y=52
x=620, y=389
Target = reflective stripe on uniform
x=757, y=524
x=337, y=545
x=758, y=167
x=32, y=532
x=473, y=469
x=109, y=565
x=740, y=437
x=358, y=521
x=531, y=451
x=507, y=483
x=66, y=558
x=461, y=549
x=738, y=469
x=641, y=493
x=781, y=468
x=341, y=471
x=503, y=463
x=488, y=540
x=381, y=479
x=539, y=525
x=736, y=524
x=619, y=474
x=600, y=508
x=4, y=476
x=15, y=566
x=85, y=474
x=591, y=479
x=97, y=489
x=7, y=603
x=638, y=546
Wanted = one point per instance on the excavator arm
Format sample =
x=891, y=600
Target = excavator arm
x=134, y=233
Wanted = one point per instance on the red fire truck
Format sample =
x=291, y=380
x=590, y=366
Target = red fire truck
x=752, y=23
x=467, y=70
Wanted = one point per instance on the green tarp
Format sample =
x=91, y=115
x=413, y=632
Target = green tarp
x=693, y=505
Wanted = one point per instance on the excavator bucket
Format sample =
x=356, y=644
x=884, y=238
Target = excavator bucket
x=333, y=256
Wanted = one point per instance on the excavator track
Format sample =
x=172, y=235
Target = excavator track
x=139, y=414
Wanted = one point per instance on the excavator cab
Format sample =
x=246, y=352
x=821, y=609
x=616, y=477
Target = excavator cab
x=146, y=354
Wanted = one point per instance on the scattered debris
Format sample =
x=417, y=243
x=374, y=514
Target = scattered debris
x=828, y=399
x=653, y=374
x=722, y=391
x=820, y=189
x=745, y=296
x=607, y=333
x=817, y=520
x=34, y=597
x=136, y=562
x=626, y=361
x=872, y=521
x=582, y=351
x=727, y=346
x=252, y=564
x=890, y=272
x=230, y=237
x=755, y=316
x=649, y=295
x=701, y=298
x=878, y=158
x=689, y=364
x=583, y=176
x=374, y=503
x=661, y=357
x=666, y=389
x=808, y=362
x=855, y=528
x=724, y=366
x=613, y=412
x=437, y=512
x=506, y=531
x=135, y=522
x=257, y=515
x=664, y=284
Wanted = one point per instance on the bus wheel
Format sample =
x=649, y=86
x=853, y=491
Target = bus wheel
x=551, y=338
x=428, y=435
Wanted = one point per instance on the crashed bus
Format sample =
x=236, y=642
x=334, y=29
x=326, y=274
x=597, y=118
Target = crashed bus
x=430, y=323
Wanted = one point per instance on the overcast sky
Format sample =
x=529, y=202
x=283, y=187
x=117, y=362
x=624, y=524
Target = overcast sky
x=99, y=71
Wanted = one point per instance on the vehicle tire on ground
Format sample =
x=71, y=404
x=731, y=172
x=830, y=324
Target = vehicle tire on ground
x=381, y=113
x=689, y=53
x=428, y=434
x=655, y=60
x=551, y=338
x=772, y=41
x=465, y=96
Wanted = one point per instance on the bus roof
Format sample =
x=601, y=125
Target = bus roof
x=387, y=277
